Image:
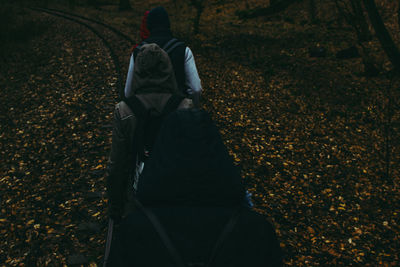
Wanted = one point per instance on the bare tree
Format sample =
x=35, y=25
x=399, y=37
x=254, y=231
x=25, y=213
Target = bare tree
x=199, y=5
x=312, y=10
x=353, y=13
x=364, y=33
x=94, y=3
x=382, y=33
x=71, y=4
x=398, y=14
x=275, y=6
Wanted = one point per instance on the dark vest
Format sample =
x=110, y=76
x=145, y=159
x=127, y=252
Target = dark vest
x=177, y=57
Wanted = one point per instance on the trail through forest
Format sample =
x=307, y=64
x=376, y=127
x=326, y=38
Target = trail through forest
x=311, y=136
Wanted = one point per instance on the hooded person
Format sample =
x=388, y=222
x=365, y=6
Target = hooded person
x=190, y=205
x=154, y=92
x=181, y=56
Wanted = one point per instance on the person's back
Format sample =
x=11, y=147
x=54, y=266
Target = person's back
x=181, y=56
x=154, y=93
x=193, y=188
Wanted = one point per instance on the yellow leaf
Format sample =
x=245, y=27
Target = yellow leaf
x=310, y=230
x=98, y=167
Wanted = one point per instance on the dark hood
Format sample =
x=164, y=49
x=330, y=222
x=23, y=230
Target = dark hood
x=158, y=19
x=190, y=165
x=153, y=72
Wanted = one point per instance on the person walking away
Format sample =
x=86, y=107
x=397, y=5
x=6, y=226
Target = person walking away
x=137, y=121
x=190, y=200
x=181, y=56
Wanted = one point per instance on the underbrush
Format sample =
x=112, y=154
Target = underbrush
x=17, y=25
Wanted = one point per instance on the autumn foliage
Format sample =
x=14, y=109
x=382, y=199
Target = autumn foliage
x=317, y=140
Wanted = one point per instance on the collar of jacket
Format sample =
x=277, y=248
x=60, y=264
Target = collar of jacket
x=163, y=33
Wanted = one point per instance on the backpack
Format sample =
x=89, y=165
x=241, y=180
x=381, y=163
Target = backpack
x=168, y=47
x=177, y=258
x=179, y=71
x=149, y=122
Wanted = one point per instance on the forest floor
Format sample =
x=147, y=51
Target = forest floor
x=318, y=142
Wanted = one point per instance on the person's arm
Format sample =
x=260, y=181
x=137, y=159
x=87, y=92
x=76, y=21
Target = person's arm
x=192, y=79
x=118, y=168
x=129, y=77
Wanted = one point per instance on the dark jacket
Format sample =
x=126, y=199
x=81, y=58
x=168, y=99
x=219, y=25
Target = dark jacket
x=192, y=186
x=153, y=84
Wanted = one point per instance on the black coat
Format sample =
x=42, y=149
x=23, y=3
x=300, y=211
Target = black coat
x=194, y=231
x=192, y=186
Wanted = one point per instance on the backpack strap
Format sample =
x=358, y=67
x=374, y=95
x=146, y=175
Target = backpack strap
x=162, y=233
x=172, y=104
x=136, y=106
x=137, y=49
x=141, y=44
x=171, y=45
x=168, y=47
x=229, y=226
x=141, y=114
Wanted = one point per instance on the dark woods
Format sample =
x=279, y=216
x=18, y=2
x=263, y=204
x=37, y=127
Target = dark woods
x=305, y=95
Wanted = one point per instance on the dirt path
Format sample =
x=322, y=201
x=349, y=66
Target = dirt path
x=309, y=135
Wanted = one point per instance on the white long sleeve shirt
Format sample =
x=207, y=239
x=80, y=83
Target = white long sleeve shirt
x=192, y=79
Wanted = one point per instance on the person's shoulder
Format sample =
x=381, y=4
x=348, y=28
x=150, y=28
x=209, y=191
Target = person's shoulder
x=179, y=42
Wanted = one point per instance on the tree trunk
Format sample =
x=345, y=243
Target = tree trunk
x=398, y=15
x=382, y=33
x=198, y=4
x=124, y=5
x=354, y=16
x=275, y=7
x=312, y=11
x=340, y=16
x=94, y=3
x=71, y=4
x=363, y=34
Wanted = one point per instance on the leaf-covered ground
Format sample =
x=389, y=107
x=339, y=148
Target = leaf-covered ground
x=57, y=97
x=311, y=135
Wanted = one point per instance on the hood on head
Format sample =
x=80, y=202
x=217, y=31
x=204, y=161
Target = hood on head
x=190, y=165
x=158, y=19
x=153, y=71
